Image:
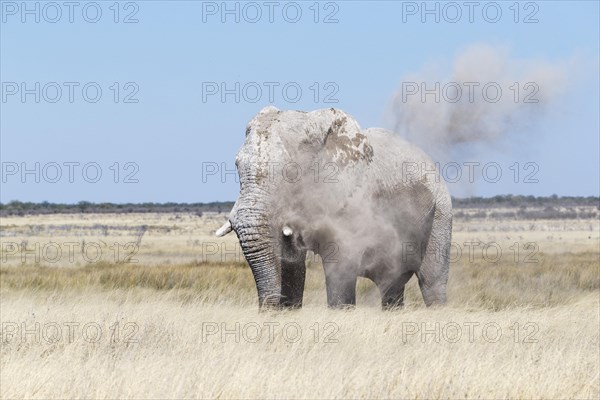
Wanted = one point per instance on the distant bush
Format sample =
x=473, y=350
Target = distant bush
x=528, y=207
x=509, y=201
x=28, y=208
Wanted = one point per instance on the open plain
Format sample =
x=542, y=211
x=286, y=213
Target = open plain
x=157, y=307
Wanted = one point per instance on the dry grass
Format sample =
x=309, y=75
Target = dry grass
x=553, y=280
x=527, y=330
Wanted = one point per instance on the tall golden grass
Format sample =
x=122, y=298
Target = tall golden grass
x=191, y=329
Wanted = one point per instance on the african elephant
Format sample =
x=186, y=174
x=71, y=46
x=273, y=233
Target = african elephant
x=369, y=203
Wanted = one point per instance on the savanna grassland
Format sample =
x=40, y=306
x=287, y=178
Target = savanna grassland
x=152, y=305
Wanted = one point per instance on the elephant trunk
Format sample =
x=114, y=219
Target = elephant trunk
x=259, y=246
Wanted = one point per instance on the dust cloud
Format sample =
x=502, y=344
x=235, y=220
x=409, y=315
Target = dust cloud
x=485, y=97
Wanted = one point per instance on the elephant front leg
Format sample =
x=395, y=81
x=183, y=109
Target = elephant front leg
x=341, y=287
x=293, y=274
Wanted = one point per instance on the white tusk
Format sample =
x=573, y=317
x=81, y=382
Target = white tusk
x=287, y=231
x=224, y=230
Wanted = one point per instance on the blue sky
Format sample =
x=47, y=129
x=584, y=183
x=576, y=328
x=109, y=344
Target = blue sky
x=178, y=50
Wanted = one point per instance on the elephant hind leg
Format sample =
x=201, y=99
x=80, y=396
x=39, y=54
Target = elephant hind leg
x=434, y=293
x=433, y=273
x=392, y=291
x=341, y=287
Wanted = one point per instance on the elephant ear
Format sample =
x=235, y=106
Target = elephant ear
x=343, y=142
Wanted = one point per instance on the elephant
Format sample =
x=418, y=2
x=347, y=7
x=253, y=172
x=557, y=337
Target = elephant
x=369, y=203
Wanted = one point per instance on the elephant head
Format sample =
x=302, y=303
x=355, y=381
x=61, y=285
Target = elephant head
x=277, y=166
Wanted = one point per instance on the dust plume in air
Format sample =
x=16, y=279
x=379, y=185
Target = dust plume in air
x=485, y=96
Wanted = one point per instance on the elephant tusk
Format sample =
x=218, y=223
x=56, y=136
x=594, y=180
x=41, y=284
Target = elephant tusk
x=224, y=230
x=287, y=231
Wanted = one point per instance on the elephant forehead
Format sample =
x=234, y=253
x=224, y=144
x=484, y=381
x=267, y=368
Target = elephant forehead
x=268, y=131
x=275, y=122
x=260, y=148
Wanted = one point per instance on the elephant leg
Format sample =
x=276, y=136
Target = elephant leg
x=433, y=291
x=433, y=273
x=392, y=291
x=293, y=274
x=341, y=287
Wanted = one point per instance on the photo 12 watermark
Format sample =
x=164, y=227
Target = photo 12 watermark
x=69, y=12
x=453, y=12
x=270, y=92
x=69, y=252
x=469, y=331
x=35, y=172
x=469, y=92
x=70, y=92
x=253, y=12
x=290, y=172
x=269, y=332
x=48, y=333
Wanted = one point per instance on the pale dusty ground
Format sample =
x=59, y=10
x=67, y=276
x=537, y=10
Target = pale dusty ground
x=181, y=238
x=510, y=330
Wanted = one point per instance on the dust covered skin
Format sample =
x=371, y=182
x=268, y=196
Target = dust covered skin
x=345, y=194
x=343, y=148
